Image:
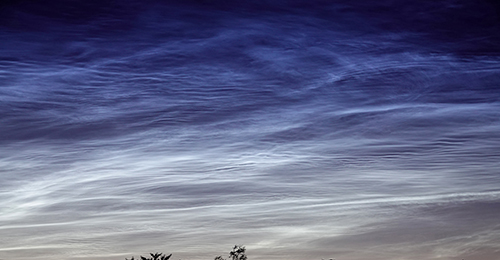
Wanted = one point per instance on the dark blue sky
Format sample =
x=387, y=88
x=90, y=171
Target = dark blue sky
x=301, y=129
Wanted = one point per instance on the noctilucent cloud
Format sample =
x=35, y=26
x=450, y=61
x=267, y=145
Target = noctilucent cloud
x=349, y=130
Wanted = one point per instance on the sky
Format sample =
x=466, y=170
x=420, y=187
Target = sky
x=349, y=130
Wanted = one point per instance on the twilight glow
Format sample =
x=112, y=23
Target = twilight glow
x=300, y=129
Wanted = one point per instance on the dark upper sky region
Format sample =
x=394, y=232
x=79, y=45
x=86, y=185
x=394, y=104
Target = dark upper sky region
x=302, y=129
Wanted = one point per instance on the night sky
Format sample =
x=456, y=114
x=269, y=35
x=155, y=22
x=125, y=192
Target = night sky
x=352, y=130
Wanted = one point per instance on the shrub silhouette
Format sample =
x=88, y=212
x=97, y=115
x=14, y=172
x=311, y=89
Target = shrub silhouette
x=238, y=253
x=155, y=256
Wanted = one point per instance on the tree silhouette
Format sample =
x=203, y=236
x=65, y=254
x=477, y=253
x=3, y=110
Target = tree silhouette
x=238, y=253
